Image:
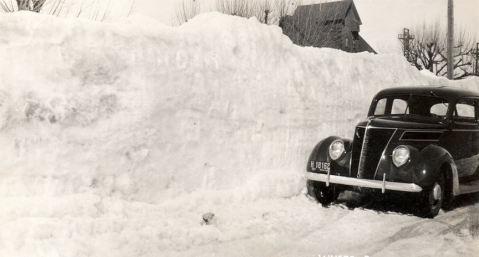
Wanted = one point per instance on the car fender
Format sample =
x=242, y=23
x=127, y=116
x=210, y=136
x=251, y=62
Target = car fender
x=430, y=161
x=320, y=153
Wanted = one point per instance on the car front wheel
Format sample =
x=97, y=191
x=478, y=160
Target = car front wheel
x=322, y=193
x=432, y=198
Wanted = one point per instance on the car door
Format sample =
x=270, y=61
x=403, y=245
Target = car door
x=462, y=140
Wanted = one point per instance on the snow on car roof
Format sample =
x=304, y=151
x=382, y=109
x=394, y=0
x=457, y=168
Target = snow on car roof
x=441, y=91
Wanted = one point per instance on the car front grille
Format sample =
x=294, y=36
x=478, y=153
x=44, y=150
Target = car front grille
x=368, y=147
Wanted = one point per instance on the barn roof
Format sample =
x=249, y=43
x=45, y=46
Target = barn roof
x=330, y=11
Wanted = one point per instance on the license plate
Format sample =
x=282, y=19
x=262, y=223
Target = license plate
x=321, y=166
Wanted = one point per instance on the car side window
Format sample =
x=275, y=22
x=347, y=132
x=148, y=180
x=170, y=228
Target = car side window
x=439, y=109
x=399, y=107
x=393, y=106
x=381, y=107
x=465, y=111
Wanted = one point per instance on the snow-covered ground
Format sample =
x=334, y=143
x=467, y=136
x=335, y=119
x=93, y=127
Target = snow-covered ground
x=116, y=138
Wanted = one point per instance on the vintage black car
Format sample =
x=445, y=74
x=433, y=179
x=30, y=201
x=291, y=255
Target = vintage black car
x=422, y=141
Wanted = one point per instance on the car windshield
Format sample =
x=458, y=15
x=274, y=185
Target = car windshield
x=411, y=107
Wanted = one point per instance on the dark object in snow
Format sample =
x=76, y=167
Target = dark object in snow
x=209, y=218
x=421, y=141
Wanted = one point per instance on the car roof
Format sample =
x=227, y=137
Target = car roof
x=450, y=93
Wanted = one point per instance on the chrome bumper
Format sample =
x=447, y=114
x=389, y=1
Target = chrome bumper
x=377, y=184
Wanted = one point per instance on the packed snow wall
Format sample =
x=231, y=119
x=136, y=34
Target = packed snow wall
x=219, y=106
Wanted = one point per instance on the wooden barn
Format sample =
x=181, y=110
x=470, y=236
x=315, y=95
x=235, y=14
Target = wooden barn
x=332, y=24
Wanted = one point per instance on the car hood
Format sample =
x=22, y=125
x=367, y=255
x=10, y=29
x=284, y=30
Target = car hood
x=375, y=122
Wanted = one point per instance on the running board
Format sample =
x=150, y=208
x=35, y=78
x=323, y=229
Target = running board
x=470, y=187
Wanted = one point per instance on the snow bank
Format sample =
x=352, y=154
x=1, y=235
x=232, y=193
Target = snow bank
x=116, y=120
x=152, y=112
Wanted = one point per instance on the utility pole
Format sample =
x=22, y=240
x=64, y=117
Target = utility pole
x=450, y=39
x=405, y=37
x=477, y=59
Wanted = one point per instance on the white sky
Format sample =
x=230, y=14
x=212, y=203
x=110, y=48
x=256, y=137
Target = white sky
x=382, y=20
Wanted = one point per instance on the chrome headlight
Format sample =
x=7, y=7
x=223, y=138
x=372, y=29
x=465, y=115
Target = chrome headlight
x=336, y=149
x=400, y=155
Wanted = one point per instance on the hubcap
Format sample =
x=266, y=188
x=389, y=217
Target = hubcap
x=437, y=191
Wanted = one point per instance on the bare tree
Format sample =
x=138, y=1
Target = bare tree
x=423, y=51
x=240, y=8
x=263, y=10
x=7, y=6
x=266, y=11
x=22, y=5
x=429, y=50
x=99, y=10
x=186, y=10
x=30, y=5
x=56, y=7
x=285, y=8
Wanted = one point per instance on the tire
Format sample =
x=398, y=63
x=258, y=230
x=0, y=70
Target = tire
x=448, y=200
x=323, y=194
x=432, y=198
